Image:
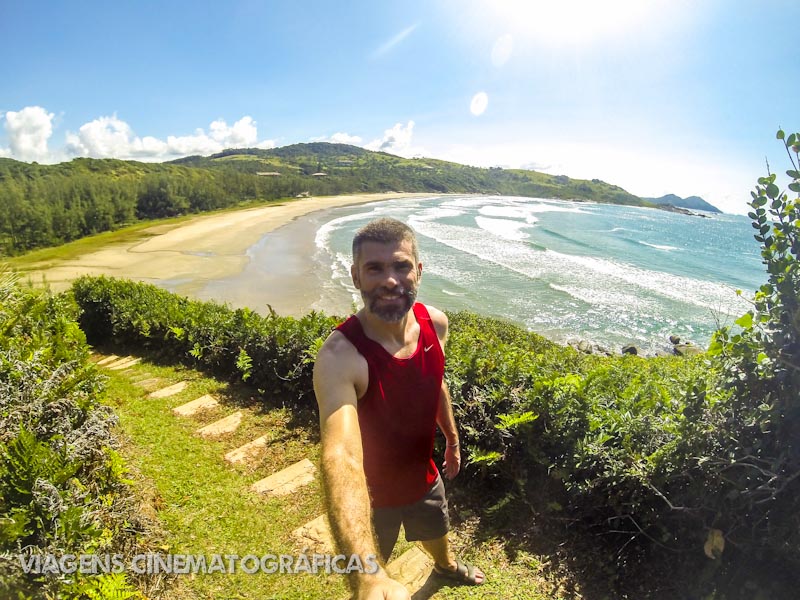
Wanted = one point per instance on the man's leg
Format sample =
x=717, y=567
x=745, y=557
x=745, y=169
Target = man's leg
x=439, y=549
x=444, y=558
x=428, y=522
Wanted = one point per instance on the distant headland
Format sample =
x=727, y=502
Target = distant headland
x=692, y=202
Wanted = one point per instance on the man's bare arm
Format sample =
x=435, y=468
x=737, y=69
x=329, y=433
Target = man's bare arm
x=349, y=508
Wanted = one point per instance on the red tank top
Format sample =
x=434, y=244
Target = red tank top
x=397, y=413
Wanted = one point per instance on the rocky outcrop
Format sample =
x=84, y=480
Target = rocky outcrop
x=683, y=348
x=589, y=348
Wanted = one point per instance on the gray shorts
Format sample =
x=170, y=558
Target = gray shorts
x=426, y=519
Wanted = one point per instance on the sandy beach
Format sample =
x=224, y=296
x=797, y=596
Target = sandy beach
x=187, y=257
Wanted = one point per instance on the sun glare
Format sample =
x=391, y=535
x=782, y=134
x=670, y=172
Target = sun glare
x=573, y=22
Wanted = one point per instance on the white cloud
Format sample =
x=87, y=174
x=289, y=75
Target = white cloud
x=243, y=133
x=396, y=140
x=388, y=45
x=28, y=133
x=109, y=137
x=339, y=138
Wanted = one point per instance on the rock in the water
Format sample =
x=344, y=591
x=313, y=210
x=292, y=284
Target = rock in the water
x=687, y=349
x=585, y=347
x=630, y=349
x=674, y=339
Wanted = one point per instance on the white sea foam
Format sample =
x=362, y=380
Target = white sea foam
x=468, y=202
x=503, y=228
x=543, y=208
x=658, y=246
x=433, y=213
x=511, y=212
x=703, y=294
x=610, y=298
x=323, y=236
x=583, y=272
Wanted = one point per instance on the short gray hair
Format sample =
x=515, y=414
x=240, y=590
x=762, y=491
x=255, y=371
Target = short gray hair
x=385, y=231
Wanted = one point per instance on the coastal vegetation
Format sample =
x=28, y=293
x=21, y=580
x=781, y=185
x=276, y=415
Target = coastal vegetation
x=48, y=205
x=62, y=489
x=677, y=476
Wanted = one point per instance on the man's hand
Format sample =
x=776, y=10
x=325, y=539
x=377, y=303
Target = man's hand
x=452, y=461
x=381, y=587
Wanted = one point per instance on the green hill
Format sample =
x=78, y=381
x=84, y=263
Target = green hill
x=379, y=171
x=48, y=205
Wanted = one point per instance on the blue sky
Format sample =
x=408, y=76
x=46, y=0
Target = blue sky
x=655, y=96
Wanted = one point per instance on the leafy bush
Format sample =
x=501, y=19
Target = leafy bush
x=59, y=475
x=754, y=463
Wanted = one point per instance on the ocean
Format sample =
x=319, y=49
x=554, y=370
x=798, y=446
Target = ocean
x=608, y=274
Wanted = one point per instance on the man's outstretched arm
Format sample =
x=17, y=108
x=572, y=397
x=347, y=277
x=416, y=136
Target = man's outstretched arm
x=349, y=508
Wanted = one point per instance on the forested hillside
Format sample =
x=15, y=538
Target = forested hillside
x=48, y=205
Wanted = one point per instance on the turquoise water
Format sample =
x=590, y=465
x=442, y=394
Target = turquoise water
x=609, y=274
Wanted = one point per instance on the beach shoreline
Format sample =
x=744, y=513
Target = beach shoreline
x=188, y=256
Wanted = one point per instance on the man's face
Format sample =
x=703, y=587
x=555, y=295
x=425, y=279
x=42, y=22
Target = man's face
x=388, y=279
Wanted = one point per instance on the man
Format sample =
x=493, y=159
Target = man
x=379, y=384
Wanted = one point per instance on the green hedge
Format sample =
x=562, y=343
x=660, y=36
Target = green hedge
x=273, y=354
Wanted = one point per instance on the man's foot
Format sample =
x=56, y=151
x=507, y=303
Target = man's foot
x=464, y=573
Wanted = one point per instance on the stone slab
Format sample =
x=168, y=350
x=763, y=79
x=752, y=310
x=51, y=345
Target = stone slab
x=148, y=383
x=171, y=390
x=108, y=359
x=126, y=364
x=315, y=536
x=227, y=425
x=247, y=452
x=414, y=569
x=195, y=406
x=119, y=360
x=286, y=481
x=136, y=377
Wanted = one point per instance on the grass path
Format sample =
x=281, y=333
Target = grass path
x=206, y=507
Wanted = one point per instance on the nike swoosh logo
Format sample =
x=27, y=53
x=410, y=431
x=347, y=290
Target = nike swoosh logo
x=429, y=347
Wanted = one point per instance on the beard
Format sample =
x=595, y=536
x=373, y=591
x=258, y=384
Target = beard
x=391, y=312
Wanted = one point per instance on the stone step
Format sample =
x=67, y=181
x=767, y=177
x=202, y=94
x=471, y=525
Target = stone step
x=108, y=359
x=148, y=383
x=286, y=481
x=414, y=569
x=171, y=390
x=119, y=360
x=126, y=364
x=247, y=452
x=315, y=536
x=195, y=406
x=137, y=377
x=227, y=425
